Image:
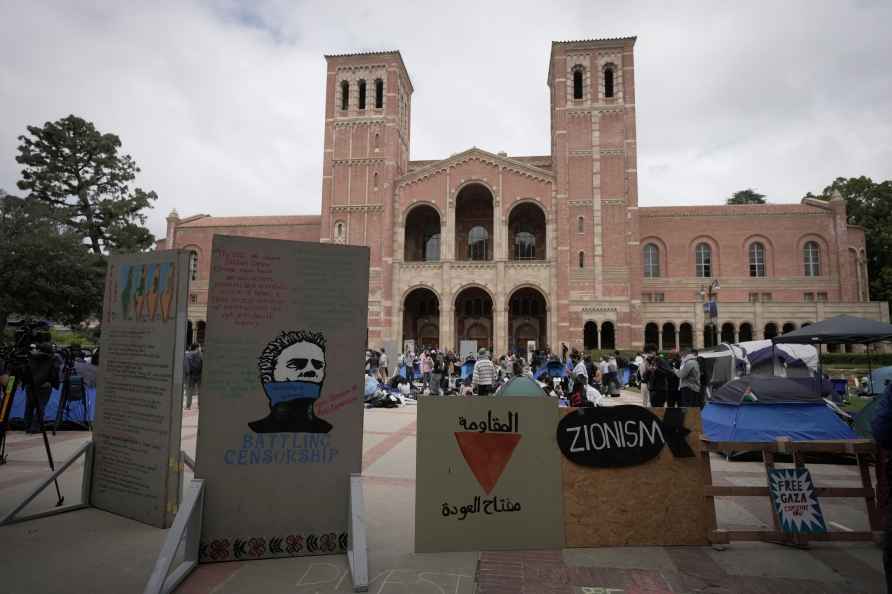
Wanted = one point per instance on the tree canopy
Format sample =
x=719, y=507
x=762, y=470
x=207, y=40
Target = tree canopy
x=78, y=171
x=45, y=269
x=748, y=196
x=869, y=204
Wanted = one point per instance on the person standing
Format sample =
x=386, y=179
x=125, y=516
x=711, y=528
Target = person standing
x=689, y=380
x=193, y=365
x=437, y=373
x=382, y=366
x=484, y=376
x=881, y=425
x=658, y=374
x=427, y=366
x=673, y=395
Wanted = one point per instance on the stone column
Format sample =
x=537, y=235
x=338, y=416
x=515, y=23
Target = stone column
x=677, y=336
x=660, y=339
x=500, y=327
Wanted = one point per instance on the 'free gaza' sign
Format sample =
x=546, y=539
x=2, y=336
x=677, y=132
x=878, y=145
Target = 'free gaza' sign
x=616, y=436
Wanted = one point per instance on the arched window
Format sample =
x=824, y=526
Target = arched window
x=340, y=230
x=580, y=225
x=812, y=256
x=361, y=94
x=377, y=141
x=524, y=246
x=345, y=94
x=703, y=259
x=478, y=242
x=651, y=261
x=608, y=82
x=193, y=265
x=432, y=248
x=379, y=93
x=375, y=180
x=582, y=259
x=577, y=82
x=757, y=259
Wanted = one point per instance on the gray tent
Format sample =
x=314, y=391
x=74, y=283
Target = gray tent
x=839, y=330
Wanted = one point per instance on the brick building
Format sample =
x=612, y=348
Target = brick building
x=552, y=248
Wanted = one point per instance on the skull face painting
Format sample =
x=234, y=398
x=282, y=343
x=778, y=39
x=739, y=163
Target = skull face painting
x=292, y=371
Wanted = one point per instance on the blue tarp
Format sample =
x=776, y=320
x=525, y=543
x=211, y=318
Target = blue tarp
x=767, y=422
x=75, y=409
x=467, y=369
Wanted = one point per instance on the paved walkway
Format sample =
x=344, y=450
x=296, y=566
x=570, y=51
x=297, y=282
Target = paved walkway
x=93, y=551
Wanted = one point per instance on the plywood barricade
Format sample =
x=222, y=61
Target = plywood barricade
x=487, y=474
x=660, y=502
x=864, y=451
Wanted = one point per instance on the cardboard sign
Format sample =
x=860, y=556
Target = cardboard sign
x=280, y=428
x=795, y=501
x=488, y=474
x=658, y=502
x=616, y=436
x=139, y=388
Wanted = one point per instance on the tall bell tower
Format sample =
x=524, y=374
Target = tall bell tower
x=594, y=152
x=368, y=103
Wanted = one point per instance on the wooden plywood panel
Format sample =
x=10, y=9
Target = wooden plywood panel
x=280, y=429
x=140, y=387
x=487, y=484
x=659, y=502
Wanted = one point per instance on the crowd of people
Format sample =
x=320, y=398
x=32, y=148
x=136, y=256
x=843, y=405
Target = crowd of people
x=671, y=380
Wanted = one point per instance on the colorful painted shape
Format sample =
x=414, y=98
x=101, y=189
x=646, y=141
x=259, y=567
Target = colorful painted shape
x=487, y=454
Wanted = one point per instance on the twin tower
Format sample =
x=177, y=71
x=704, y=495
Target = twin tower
x=483, y=249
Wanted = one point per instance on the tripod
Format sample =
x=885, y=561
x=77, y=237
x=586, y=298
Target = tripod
x=14, y=383
x=67, y=395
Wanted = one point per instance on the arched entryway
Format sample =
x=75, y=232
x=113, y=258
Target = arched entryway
x=473, y=223
x=473, y=317
x=526, y=232
x=651, y=336
x=745, y=334
x=608, y=336
x=590, y=336
x=728, y=332
x=788, y=327
x=669, y=343
x=770, y=330
x=685, y=337
x=527, y=319
x=709, y=335
x=422, y=234
x=421, y=319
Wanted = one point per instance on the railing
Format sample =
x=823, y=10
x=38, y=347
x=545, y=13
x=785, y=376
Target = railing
x=864, y=451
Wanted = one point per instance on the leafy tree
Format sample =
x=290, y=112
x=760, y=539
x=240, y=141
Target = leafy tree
x=869, y=204
x=748, y=196
x=77, y=170
x=45, y=269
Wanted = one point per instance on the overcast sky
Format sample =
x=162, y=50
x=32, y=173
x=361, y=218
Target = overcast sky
x=221, y=103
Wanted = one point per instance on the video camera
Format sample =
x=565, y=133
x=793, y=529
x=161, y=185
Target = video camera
x=27, y=332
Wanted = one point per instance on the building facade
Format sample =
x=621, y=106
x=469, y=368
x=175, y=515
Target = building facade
x=553, y=248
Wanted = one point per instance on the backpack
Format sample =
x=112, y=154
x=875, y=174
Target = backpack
x=195, y=364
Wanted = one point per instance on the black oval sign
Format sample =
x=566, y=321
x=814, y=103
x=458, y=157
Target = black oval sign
x=610, y=436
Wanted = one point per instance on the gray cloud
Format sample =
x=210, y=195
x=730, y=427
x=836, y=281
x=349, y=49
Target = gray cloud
x=221, y=103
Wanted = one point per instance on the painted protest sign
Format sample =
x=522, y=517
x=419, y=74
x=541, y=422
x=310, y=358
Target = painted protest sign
x=139, y=387
x=795, y=501
x=488, y=474
x=616, y=436
x=280, y=428
x=654, y=492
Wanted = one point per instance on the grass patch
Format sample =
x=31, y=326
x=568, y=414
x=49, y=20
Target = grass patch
x=855, y=404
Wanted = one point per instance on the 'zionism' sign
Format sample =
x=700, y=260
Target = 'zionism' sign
x=795, y=501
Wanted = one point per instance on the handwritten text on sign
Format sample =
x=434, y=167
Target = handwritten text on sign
x=795, y=501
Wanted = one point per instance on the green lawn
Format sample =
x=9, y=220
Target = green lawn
x=855, y=404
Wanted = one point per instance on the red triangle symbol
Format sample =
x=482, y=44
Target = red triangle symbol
x=487, y=454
